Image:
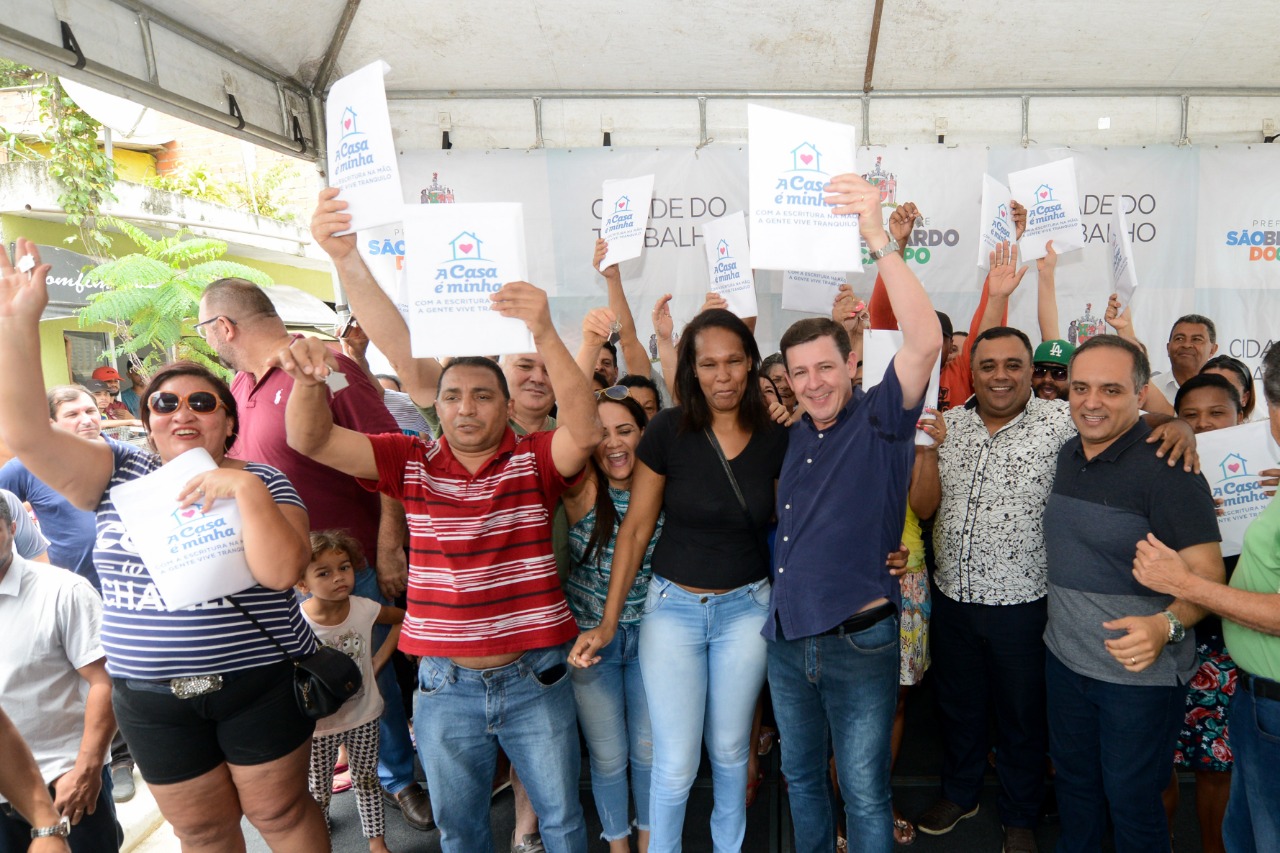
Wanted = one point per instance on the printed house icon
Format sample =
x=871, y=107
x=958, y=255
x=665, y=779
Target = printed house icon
x=1234, y=465
x=623, y=203
x=1044, y=193
x=348, y=122
x=184, y=516
x=1003, y=211
x=722, y=250
x=466, y=247
x=805, y=158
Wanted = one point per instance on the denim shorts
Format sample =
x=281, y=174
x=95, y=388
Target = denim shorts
x=253, y=719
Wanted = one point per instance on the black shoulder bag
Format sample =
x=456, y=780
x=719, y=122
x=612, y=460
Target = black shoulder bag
x=322, y=681
x=742, y=501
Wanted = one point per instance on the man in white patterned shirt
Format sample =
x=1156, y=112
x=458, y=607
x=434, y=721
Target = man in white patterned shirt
x=992, y=477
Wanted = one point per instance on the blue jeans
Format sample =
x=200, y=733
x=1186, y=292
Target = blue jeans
x=395, y=748
x=848, y=682
x=462, y=716
x=703, y=661
x=1112, y=745
x=1253, y=819
x=614, y=716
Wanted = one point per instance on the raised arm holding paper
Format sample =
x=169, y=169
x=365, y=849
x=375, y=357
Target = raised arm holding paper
x=149, y=647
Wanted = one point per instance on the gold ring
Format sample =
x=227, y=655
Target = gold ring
x=1133, y=661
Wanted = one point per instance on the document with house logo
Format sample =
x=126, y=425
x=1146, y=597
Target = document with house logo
x=362, y=154
x=1053, y=208
x=1124, y=276
x=995, y=223
x=455, y=257
x=1231, y=460
x=193, y=554
x=729, y=262
x=624, y=216
x=790, y=158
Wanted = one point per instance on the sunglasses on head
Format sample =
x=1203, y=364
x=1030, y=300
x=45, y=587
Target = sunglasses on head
x=1059, y=374
x=614, y=392
x=200, y=402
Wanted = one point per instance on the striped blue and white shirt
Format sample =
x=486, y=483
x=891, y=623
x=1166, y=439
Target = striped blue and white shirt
x=144, y=640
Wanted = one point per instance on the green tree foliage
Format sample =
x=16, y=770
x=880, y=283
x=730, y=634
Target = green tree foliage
x=266, y=193
x=151, y=296
x=84, y=173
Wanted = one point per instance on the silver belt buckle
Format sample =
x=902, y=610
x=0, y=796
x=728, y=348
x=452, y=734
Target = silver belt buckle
x=195, y=685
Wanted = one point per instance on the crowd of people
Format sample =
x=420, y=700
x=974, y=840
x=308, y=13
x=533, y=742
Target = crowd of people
x=715, y=551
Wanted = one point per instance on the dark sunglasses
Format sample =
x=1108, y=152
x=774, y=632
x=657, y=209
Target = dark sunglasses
x=614, y=392
x=1059, y=374
x=200, y=402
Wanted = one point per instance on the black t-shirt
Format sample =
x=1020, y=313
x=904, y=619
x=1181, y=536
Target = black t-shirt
x=705, y=538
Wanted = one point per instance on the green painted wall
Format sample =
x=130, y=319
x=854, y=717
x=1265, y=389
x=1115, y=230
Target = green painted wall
x=52, y=348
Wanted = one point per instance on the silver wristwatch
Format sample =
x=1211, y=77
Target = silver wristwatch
x=1176, y=631
x=885, y=250
x=61, y=829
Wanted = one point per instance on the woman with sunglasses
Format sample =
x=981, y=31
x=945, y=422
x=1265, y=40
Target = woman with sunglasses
x=612, y=708
x=701, y=651
x=204, y=699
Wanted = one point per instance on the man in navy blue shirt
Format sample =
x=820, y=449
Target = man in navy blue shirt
x=842, y=495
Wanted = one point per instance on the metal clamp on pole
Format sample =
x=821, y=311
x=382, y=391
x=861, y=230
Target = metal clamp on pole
x=298, y=136
x=69, y=43
x=234, y=109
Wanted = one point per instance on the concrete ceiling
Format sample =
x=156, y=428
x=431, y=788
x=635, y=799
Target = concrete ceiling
x=275, y=57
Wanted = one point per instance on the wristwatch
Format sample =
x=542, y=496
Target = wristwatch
x=61, y=829
x=885, y=250
x=1176, y=631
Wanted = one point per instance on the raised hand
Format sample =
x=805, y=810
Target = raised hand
x=602, y=249
x=1116, y=319
x=23, y=292
x=330, y=218
x=525, y=302
x=307, y=361
x=903, y=221
x=1005, y=275
x=714, y=300
x=1019, y=219
x=663, y=325
x=1047, y=264
x=852, y=194
x=597, y=326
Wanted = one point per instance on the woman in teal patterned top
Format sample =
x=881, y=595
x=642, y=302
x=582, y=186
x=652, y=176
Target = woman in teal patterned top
x=612, y=709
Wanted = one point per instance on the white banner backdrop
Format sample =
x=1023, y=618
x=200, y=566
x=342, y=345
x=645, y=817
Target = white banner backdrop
x=1180, y=204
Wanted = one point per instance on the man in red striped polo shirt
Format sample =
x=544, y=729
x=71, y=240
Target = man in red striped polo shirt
x=485, y=609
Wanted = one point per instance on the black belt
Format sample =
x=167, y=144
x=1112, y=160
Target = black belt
x=862, y=620
x=1264, y=688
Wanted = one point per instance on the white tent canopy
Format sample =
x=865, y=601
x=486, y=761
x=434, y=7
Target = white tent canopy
x=562, y=73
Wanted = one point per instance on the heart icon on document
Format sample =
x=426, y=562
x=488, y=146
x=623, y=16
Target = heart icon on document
x=466, y=247
x=806, y=158
x=1233, y=467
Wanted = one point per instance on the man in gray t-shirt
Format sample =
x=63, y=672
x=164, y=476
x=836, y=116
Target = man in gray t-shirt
x=1119, y=653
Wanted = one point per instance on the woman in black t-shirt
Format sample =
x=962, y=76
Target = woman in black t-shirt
x=701, y=652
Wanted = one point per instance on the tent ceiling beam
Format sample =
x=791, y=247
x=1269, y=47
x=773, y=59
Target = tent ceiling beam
x=324, y=74
x=824, y=94
x=90, y=72
x=145, y=14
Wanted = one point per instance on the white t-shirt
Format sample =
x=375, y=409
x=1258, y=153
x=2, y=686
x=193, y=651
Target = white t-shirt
x=52, y=622
x=353, y=637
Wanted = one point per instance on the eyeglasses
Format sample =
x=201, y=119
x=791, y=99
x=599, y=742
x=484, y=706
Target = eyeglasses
x=614, y=392
x=200, y=402
x=1059, y=374
x=201, y=329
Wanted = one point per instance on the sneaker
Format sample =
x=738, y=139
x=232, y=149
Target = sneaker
x=531, y=843
x=1019, y=839
x=122, y=787
x=942, y=817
